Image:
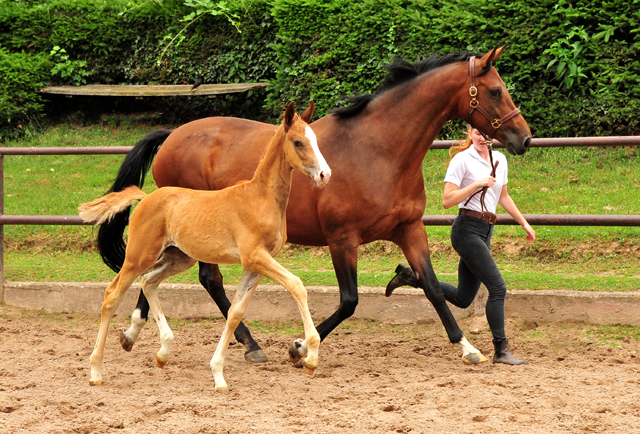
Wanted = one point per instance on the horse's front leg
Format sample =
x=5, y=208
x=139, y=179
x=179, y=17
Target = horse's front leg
x=413, y=241
x=345, y=263
x=211, y=279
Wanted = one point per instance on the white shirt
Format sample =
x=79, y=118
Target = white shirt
x=468, y=166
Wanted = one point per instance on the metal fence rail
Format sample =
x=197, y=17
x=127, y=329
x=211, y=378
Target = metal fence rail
x=428, y=220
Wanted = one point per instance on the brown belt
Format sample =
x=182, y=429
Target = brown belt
x=486, y=216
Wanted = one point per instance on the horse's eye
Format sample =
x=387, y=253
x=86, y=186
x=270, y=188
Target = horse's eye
x=297, y=143
x=495, y=92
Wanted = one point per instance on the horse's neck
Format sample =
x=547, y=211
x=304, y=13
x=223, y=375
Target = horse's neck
x=273, y=175
x=419, y=110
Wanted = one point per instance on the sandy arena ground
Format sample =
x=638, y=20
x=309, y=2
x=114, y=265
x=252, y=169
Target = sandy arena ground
x=372, y=378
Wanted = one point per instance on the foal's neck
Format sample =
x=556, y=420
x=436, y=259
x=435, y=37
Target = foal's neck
x=274, y=173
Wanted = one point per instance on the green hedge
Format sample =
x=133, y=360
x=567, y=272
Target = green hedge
x=23, y=75
x=328, y=50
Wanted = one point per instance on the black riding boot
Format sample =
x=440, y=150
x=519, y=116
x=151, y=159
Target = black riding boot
x=503, y=354
x=404, y=277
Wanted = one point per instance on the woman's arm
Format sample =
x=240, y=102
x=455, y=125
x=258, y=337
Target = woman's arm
x=453, y=195
x=510, y=206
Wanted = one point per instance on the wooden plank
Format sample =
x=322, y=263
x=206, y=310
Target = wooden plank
x=152, y=89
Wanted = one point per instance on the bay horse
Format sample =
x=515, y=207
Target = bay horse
x=174, y=227
x=376, y=145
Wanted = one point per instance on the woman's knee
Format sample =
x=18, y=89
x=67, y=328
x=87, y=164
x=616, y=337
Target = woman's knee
x=497, y=290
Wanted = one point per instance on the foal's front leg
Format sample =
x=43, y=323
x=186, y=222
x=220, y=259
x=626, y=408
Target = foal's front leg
x=248, y=283
x=267, y=266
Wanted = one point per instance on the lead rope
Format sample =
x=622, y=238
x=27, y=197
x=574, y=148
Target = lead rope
x=483, y=190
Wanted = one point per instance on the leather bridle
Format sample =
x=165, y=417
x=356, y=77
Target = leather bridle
x=495, y=124
x=475, y=105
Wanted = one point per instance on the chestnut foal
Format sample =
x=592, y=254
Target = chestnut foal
x=173, y=227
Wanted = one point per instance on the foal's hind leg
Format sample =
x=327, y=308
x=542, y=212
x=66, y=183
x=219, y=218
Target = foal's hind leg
x=211, y=279
x=112, y=298
x=172, y=261
x=248, y=283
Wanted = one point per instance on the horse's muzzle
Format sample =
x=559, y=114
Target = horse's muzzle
x=519, y=147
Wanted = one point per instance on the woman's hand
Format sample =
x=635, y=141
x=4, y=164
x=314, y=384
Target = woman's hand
x=486, y=182
x=531, y=234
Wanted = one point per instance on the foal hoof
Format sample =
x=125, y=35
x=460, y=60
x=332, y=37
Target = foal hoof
x=474, y=358
x=160, y=363
x=307, y=369
x=222, y=389
x=257, y=356
x=127, y=344
x=95, y=383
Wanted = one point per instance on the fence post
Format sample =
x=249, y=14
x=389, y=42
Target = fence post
x=1, y=229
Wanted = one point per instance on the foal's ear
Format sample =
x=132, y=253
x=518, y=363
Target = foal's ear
x=308, y=113
x=289, y=114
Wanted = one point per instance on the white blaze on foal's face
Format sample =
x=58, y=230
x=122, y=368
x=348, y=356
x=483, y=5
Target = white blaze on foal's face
x=322, y=173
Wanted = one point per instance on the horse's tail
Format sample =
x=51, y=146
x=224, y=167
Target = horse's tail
x=103, y=209
x=110, y=241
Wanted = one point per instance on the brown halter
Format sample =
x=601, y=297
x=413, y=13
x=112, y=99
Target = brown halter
x=495, y=124
x=475, y=104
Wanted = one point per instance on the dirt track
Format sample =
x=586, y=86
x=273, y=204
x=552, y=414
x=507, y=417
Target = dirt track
x=373, y=378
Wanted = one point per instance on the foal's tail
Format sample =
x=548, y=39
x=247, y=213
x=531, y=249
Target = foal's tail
x=132, y=172
x=103, y=209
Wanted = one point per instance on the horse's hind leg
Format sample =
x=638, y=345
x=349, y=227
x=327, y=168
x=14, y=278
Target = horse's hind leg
x=243, y=294
x=112, y=298
x=172, y=261
x=211, y=279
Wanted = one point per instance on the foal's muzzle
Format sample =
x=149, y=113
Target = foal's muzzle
x=322, y=177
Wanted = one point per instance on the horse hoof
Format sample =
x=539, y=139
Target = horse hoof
x=127, y=344
x=95, y=383
x=474, y=358
x=257, y=356
x=160, y=363
x=294, y=355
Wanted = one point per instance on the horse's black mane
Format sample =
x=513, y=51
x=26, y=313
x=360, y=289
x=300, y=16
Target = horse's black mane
x=402, y=71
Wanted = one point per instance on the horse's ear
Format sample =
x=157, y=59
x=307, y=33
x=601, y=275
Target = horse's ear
x=308, y=113
x=289, y=114
x=492, y=55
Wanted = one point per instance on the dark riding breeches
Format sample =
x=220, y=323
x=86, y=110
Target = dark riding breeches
x=471, y=239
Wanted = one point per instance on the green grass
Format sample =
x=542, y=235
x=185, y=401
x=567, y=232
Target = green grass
x=614, y=335
x=544, y=181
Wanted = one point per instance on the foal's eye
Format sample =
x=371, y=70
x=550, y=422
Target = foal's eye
x=495, y=92
x=297, y=143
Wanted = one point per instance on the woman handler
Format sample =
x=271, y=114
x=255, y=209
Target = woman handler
x=471, y=233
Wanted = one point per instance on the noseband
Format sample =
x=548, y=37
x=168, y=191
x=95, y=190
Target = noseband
x=475, y=104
